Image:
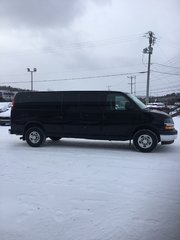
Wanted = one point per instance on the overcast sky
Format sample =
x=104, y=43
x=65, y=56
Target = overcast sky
x=69, y=41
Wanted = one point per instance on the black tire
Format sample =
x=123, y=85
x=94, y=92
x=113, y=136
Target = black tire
x=55, y=138
x=145, y=140
x=35, y=136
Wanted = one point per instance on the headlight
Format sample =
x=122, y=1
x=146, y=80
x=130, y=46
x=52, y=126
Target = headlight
x=168, y=124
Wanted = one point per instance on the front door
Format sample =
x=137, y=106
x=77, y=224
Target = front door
x=119, y=120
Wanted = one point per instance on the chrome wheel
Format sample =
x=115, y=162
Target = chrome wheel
x=34, y=137
x=145, y=141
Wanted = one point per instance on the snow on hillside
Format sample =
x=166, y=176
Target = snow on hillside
x=88, y=190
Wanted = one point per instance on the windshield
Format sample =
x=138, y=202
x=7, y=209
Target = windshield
x=137, y=101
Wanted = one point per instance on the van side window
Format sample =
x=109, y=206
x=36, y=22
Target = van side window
x=116, y=102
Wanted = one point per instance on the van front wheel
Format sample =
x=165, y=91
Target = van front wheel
x=145, y=140
x=35, y=136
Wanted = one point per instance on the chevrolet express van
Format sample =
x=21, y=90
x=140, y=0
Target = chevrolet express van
x=103, y=115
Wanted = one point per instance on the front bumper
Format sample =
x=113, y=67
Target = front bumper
x=168, y=137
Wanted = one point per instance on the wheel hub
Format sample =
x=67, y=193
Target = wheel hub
x=34, y=137
x=145, y=141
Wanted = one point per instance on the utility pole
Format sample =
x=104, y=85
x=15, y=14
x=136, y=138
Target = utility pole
x=149, y=51
x=135, y=86
x=32, y=71
x=132, y=83
x=109, y=87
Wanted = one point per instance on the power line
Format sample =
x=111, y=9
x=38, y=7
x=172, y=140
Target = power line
x=79, y=78
x=153, y=80
x=49, y=49
x=156, y=76
x=175, y=74
x=173, y=86
x=161, y=91
x=177, y=43
x=171, y=60
x=166, y=91
x=93, y=43
x=161, y=76
x=163, y=65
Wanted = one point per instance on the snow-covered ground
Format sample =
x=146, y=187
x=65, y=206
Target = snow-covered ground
x=88, y=190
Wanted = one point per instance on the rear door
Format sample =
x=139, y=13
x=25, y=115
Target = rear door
x=91, y=114
x=70, y=114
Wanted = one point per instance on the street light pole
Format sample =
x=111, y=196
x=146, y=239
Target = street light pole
x=32, y=71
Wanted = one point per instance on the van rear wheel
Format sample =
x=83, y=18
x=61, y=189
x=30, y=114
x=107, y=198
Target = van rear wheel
x=145, y=140
x=35, y=136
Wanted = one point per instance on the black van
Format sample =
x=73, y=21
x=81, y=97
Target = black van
x=103, y=115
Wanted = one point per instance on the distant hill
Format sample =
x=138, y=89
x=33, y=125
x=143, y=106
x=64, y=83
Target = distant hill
x=7, y=93
x=9, y=88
